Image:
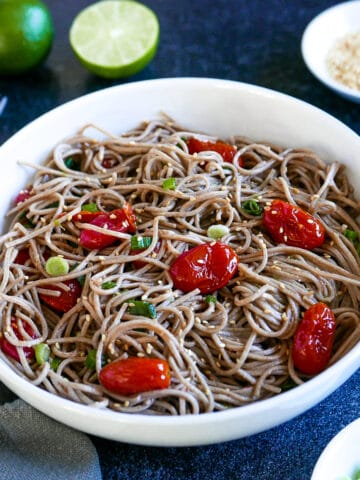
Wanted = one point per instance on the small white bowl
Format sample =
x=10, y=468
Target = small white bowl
x=319, y=37
x=341, y=457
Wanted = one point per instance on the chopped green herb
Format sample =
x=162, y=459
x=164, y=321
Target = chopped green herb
x=81, y=280
x=351, y=235
x=73, y=163
x=139, y=243
x=108, y=285
x=55, y=362
x=217, y=231
x=210, y=299
x=42, y=353
x=138, y=307
x=25, y=221
x=169, y=184
x=252, y=207
x=288, y=385
x=71, y=244
x=89, y=207
x=90, y=360
x=53, y=205
x=354, y=238
x=57, y=266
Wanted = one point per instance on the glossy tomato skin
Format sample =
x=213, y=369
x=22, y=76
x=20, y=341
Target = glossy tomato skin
x=10, y=349
x=119, y=220
x=85, y=217
x=66, y=300
x=313, y=340
x=291, y=225
x=208, y=267
x=22, y=196
x=226, y=150
x=135, y=375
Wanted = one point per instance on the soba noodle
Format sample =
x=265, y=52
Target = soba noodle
x=221, y=354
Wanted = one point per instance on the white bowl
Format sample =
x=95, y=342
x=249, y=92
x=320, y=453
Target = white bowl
x=321, y=34
x=222, y=108
x=341, y=457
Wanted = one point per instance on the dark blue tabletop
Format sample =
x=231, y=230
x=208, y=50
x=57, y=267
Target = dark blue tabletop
x=251, y=41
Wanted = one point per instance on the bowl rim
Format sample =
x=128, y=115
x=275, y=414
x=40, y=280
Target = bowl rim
x=344, y=90
x=334, y=442
x=38, y=397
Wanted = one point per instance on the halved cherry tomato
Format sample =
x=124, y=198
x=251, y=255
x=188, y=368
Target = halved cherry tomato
x=22, y=257
x=208, y=267
x=314, y=339
x=10, y=349
x=119, y=220
x=141, y=263
x=135, y=375
x=22, y=196
x=293, y=226
x=66, y=300
x=226, y=150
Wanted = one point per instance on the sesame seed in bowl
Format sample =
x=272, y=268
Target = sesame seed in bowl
x=331, y=49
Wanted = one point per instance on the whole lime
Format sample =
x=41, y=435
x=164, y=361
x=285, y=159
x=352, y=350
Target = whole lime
x=26, y=34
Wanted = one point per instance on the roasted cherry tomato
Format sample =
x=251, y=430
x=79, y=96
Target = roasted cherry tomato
x=119, y=220
x=22, y=257
x=141, y=263
x=109, y=162
x=291, y=225
x=208, y=267
x=313, y=339
x=10, y=349
x=66, y=300
x=226, y=150
x=22, y=196
x=135, y=375
x=85, y=216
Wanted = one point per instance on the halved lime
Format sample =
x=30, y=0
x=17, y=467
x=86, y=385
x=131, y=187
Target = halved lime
x=115, y=38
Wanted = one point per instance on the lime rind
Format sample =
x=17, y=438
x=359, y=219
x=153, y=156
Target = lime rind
x=115, y=38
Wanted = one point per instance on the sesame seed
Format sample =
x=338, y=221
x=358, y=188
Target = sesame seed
x=310, y=220
x=140, y=354
x=126, y=403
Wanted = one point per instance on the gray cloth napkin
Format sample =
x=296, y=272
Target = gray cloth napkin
x=35, y=447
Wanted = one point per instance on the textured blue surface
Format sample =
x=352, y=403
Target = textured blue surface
x=251, y=41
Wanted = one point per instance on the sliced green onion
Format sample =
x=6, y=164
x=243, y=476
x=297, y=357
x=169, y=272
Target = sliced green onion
x=217, y=231
x=90, y=360
x=169, y=184
x=108, y=285
x=210, y=299
x=138, y=307
x=72, y=163
x=139, y=243
x=57, y=266
x=252, y=207
x=55, y=362
x=90, y=207
x=42, y=353
x=351, y=235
